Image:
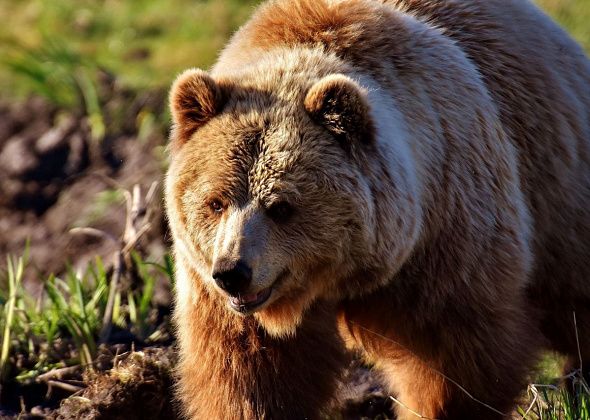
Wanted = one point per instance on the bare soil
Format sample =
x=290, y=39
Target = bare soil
x=52, y=174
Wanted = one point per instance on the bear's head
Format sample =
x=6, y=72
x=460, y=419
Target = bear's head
x=269, y=192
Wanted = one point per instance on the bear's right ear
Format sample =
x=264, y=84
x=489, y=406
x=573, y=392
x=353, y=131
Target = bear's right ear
x=195, y=98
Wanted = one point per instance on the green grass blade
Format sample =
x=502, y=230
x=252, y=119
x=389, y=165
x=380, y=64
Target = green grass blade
x=14, y=278
x=132, y=308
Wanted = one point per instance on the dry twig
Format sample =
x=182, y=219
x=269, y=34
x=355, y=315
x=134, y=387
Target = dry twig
x=57, y=373
x=136, y=225
x=63, y=385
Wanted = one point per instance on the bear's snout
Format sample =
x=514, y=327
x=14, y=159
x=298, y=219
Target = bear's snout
x=234, y=277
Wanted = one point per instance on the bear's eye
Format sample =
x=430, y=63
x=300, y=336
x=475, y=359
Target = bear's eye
x=280, y=212
x=216, y=206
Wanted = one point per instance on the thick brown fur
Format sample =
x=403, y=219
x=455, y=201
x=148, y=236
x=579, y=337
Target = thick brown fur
x=408, y=178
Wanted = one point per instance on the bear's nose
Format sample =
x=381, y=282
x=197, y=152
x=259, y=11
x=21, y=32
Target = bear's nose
x=233, y=278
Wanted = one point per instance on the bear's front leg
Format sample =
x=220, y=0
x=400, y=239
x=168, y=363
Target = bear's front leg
x=230, y=368
x=465, y=363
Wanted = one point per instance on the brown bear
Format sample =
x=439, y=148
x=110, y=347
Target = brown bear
x=409, y=179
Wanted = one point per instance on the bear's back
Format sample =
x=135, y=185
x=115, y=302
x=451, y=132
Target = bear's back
x=540, y=81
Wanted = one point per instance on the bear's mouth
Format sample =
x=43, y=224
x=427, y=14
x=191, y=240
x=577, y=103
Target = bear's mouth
x=251, y=302
x=247, y=303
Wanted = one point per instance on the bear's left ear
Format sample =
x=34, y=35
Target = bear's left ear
x=340, y=105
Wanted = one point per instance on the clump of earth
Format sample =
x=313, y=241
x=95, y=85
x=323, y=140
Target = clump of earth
x=138, y=386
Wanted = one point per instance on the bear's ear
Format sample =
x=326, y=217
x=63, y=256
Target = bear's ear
x=195, y=98
x=339, y=104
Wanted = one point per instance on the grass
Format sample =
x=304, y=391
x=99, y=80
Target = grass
x=61, y=327
x=548, y=402
x=573, y=15
x=145, y=43
x=547, y=397
x=14, y=283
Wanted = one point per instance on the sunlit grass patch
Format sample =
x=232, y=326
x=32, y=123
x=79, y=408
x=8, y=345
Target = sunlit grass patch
x=61, y=327
x=145, y=43
x=555, y=395
x=573, y=15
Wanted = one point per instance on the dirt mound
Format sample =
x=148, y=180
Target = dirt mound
x=139, y=386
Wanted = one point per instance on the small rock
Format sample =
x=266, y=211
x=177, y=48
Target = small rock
x=78, y=157
x=39, y=411
x=9, y=189
x=56, y=137
x=16, y=159
x=49, y=141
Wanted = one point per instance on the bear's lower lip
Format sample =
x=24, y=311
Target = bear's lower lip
x=246, y=303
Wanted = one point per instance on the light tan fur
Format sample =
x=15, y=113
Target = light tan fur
x=409, y=179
